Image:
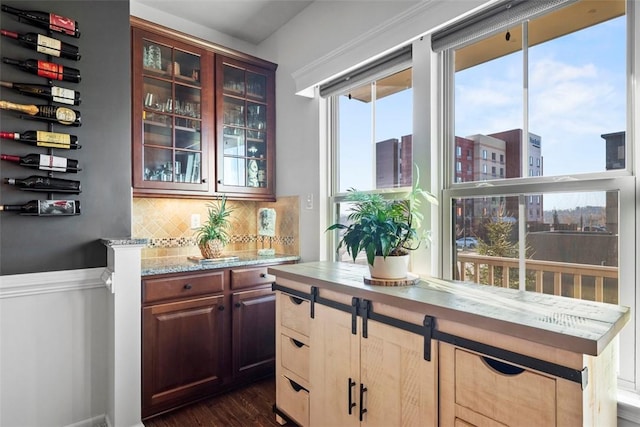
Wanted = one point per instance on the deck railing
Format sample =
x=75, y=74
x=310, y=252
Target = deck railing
x=496, y=271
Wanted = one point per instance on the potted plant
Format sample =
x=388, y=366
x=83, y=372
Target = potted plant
x=212, y=236
x=386, y=230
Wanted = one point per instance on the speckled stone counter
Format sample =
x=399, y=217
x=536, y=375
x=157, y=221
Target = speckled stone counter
x=181, y=264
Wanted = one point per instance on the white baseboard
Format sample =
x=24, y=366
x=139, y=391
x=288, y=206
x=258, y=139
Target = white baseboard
x=629, y=406
x=98, y=421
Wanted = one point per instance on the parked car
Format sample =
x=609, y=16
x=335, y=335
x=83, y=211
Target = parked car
x=467, y=242
x=596, y=228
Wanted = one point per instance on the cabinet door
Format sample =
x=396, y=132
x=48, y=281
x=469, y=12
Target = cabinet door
x=254, y=333
x=334, y=369
x=182, y=352
x=402, y=387
x=245, y=128
x=172, y=115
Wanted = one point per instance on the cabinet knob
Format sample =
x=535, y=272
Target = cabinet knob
x=204, y=180
x=263, y=275
x=221, y=308
x=188, y=286
x=219, y=181
x=238, y=305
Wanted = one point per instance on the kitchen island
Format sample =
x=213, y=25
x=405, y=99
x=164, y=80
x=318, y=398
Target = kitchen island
x=438, y=352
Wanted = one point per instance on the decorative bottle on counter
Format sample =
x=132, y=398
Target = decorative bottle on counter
x=44, y=162
x=50, y=70
x=44, y=44
x=45, y=183
x=46, y=20
x=50, y=113
x=41, y=138
x=51, y=93
x=45, y=208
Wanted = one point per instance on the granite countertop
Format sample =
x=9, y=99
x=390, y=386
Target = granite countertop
x=182, y=264
x=572, y=324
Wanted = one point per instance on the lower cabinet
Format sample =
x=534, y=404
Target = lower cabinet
x=204, y=333
x=338, y=364
x=182, y=357
x=253, y=336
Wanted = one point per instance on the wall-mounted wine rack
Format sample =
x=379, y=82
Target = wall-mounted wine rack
x=56, y=112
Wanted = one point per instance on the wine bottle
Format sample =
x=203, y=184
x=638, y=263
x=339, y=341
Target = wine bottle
x=45, y=208
x=48, y=21
x=43, y=44
x=44, y=162
x=45, y=183
x=52, y=93
x=41, y=138
x=50, y=113
x=50, y=70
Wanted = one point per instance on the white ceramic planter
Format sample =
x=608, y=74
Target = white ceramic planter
x=391, y=267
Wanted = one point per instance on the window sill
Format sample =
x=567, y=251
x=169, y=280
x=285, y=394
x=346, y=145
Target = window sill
x=629, y=406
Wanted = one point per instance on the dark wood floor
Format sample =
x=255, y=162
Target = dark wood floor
x=249, y=406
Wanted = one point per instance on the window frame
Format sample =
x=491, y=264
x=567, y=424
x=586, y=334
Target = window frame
x=622, y=180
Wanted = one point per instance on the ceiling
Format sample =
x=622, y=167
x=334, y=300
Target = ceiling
x=250, y=20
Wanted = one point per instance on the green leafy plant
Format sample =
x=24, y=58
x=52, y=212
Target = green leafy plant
x=217, y=223
x=381, y=227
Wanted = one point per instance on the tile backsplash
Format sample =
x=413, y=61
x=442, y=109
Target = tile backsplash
x=166, y=223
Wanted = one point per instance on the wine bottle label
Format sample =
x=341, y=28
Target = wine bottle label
x=53, y=137
x=49, y=46
x=53, y=163
x=50, y=70
x=62, y=95
x=68, y=26
x=66, y=116
x=56, y=207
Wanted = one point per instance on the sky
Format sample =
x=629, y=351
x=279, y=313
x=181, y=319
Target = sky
x=577, y=92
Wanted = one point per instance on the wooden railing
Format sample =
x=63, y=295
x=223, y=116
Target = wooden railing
x=497, y=271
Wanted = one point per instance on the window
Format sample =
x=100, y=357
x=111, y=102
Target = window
x=372, y=112
x=458, y=151
x=458, y=166
x=557, y=94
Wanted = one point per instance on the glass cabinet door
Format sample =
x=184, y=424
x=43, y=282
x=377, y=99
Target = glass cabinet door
x=245, y=143
x=169, y=105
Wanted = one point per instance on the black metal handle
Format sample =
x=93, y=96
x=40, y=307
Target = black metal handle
x=221, y=308
x=350, y=386
x=204, y=180
x=188, y=286
x=363, y=410
x=296, y=343
x=219, y=181
x=238, y=305
x=263, y=275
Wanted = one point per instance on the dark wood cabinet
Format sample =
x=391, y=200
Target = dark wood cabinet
x=203, y=333
x=253, y=333
x=172, y=116
x=182, y=356
x=245, y=95
x=203, y=118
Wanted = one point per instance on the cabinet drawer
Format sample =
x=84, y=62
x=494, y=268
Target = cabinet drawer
x=248, y=277
x=294, y=356
x=293, y=400
x=294, y=313
x=182, y=286
x=503, y=392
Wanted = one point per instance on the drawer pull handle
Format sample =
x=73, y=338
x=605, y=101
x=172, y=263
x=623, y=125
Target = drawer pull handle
x=295, y=386
x=296, y=343
x=502, y=367
x=188, y=286
x=263, y=275
x=350, y=386
x=295, y=300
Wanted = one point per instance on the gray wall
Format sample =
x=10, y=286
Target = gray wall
x=38, y=244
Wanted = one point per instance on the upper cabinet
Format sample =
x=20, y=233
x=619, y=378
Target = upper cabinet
x=245, y=95
x=203, y=118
